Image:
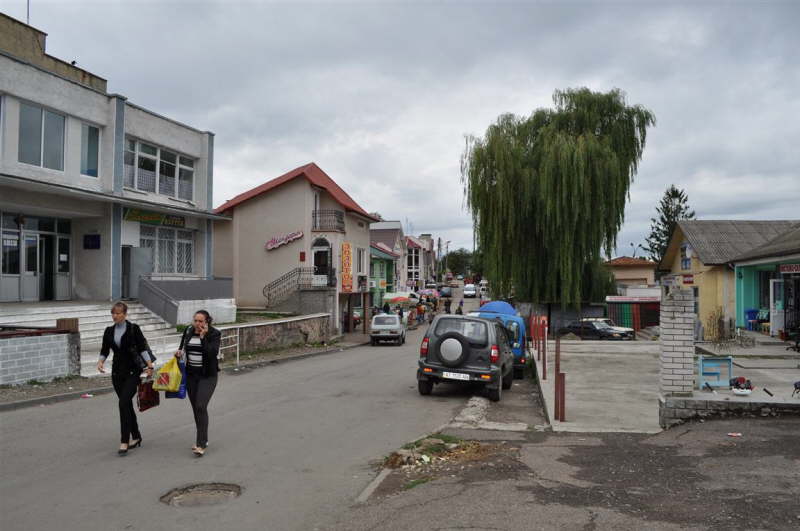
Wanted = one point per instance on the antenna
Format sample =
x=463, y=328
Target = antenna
x=29, y=14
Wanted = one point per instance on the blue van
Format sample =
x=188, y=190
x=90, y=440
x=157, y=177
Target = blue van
x=499, y=310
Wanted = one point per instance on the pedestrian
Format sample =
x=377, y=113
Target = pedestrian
x=131, y=354
x=461, y=304
x=447, y=305
x=200, y=345
x=386, y=308
x=459, y=311
x=400, y=313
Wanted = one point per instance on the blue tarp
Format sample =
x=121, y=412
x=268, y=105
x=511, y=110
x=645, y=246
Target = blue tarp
x=498, y=307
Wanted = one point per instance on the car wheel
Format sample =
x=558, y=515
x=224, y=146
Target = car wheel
x=425, y=387
x=372, y=340
x=495, y=394
x=508, y=379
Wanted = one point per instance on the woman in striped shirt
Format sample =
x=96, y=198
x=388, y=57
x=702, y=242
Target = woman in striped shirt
x=200, y=346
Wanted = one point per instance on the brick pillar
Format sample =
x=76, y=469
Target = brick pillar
x=73, y=343
x=677, y=342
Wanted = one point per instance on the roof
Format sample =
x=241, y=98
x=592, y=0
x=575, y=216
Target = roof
x=384, y=249
x=627, y=261
x=784, y=244
x=414, y=242
x=315, y=176
x=717, y=242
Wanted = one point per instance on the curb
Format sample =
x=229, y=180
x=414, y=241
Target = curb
x=63, y=397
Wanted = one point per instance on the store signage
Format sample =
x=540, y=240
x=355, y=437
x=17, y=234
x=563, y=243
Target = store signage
x=688, y=279
x=789, y=268
x=274, y=243
x=154, y=218
x=382, y=284
x=347, y=268
x=669, y=280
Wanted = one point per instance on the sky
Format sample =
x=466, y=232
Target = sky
x=381, y=94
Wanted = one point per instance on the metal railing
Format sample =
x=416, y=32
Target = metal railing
x=327, y=220
x=298, y=278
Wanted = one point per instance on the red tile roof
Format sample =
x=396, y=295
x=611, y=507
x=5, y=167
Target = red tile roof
x=315, y=176
x=625, y=261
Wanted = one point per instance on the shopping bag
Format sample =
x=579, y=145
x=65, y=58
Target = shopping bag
x=146, y=396
x=168, y=377
x=181, y=392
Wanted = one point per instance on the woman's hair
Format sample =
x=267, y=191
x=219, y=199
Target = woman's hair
x=120, y=305
x=205, y=314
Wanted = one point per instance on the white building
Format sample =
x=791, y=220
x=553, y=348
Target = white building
x=94, y=190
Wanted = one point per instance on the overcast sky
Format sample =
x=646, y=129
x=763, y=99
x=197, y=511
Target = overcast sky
x=381, y=94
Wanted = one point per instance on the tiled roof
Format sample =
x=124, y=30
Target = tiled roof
x=315, y=176
x=784, y=244
x=627, y=261
x=720, y=241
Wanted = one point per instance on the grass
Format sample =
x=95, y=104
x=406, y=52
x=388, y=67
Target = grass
x=415, y=483
x=34, y=381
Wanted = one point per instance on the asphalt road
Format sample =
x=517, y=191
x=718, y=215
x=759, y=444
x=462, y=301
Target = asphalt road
x=298, y=437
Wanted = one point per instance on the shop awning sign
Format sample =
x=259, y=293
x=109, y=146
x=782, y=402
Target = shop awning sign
x=789, y=268
x=154, y=218
x=276, y=242
x=347, y=268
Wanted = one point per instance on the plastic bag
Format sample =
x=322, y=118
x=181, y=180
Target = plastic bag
x=181, y=392
x=146, y=396
x=168, y=377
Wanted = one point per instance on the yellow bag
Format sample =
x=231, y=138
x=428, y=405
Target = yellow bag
x=168, y=377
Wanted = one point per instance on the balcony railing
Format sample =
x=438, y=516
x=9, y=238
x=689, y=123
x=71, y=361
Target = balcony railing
x=328, y=220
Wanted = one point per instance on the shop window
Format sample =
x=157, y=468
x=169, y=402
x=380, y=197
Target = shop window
x=764, y=278
x=90, y=146
x=10, y=255
x=174, y=249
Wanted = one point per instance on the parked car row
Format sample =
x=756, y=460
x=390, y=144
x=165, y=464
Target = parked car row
x=597, y=328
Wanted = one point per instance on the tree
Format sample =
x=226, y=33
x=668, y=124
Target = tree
x=547, y=192
x=459, y=260
x=674, y=207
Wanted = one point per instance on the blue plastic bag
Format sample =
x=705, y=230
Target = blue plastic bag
x=181, y=392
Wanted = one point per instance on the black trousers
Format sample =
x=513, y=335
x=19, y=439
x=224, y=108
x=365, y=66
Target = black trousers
x=200, y=390
x=125, y=385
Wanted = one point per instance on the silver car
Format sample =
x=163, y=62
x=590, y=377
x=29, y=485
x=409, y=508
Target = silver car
x=387, y=327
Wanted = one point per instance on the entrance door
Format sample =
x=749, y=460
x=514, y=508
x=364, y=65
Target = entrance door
x=63, y=269
x=47, y=267
x=30, y=267
x=140, y=264
x=321, y=259
x=776, y=317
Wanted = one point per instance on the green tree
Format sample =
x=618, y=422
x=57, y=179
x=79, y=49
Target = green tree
x=459, y=260
x=547, y=192
x=674, y=206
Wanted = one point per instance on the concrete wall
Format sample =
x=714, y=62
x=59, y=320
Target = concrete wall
x=91, y=270
x=40, y=357
x=634, y=275
x=677, y=343
x=257, y=337
x=221, y=310
x=223, y=248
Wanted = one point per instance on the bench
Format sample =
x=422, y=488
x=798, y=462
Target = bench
x=708, y=367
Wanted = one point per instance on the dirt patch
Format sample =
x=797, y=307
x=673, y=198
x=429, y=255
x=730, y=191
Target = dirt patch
x=58, y=386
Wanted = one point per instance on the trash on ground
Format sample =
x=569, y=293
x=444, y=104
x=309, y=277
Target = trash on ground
x=734, y=434
x=87, y=395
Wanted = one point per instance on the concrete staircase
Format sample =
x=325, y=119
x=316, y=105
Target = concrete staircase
x=93, y=318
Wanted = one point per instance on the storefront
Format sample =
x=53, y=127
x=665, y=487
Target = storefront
x=773, y=291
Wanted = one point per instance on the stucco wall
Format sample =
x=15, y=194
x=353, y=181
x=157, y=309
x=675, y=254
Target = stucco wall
x=91, y=272
x=273, y=334
x=223, y=248
x=634, y=275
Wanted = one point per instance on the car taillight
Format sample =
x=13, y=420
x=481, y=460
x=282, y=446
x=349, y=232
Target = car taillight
x=423, y=349
x=494, y=355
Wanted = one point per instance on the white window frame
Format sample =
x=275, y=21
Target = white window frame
x=178, y=166
x=176, y=239
x=99, y=151
x=41, y=137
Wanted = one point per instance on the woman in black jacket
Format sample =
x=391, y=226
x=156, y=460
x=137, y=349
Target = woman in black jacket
x=131, y=353
x=200, y=346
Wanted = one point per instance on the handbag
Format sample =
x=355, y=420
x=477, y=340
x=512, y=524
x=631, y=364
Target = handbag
x=146, y=396
x=137, y=357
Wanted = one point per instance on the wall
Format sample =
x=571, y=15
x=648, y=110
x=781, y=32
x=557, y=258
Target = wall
x=634, y=275
x=257, y=337
x=676, y=411
x=40, y=357
x=91, y=268
x=677, y=342
x=221, y=310
x=223, y=248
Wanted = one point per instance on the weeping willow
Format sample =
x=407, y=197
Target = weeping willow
x=547, y=193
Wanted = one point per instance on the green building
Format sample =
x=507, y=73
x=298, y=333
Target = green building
x=381, y=272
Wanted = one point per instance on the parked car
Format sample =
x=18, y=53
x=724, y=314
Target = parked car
x=453, y=284
x=627, y=333
x=590, y=330
x=515, y=327
x=431, y=285
x=468, y=350
x=484, y=291
x=387, y=327
x=470, y=291
x=460, y=277
x=446, y=292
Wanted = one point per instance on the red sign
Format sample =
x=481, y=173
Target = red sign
x=274, y=243
x=688, y=279
x=789, y=268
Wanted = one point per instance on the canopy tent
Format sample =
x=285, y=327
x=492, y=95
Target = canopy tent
x=498, y=307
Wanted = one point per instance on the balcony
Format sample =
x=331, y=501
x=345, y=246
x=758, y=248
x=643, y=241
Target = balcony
x=327, y=220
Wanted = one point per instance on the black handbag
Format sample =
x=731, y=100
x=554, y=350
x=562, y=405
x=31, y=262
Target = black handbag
x=137, y=357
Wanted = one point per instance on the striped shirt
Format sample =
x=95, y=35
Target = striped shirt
x=194, y=353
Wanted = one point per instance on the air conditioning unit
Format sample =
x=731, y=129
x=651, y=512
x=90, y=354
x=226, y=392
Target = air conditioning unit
x=371, y=284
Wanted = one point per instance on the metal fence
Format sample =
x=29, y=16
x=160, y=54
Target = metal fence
x=328, y=220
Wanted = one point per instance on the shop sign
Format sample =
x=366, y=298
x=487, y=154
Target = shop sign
x=669, y=280
x=347, y=268
x=382, y=284
x=154, y=218
x=789, y=268
x=688, y=279
x=276, y=242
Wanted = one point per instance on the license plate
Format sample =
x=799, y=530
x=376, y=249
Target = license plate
x=455, y=376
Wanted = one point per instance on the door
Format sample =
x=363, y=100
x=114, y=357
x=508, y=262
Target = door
x=30, y=267
x=141, y=264
x=47, y=267
x=776, y=316
x=63, y=269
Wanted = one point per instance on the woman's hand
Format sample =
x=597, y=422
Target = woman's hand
x=100, y=365
x=149, y=370
x=179, y=354
x=203, y=330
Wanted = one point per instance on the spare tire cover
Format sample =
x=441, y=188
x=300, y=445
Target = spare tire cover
x=453, y=349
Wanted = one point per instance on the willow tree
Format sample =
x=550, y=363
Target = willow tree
x=547, y=192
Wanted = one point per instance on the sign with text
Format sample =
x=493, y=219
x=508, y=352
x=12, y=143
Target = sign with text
x=347, y=268
x=688, y=279
x=154, y=218
x=789, y=268
x=274, y=243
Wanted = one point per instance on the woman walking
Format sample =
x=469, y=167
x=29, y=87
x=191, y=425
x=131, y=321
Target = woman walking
x=131, y=354
x=200, y=345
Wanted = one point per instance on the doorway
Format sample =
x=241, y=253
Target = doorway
x=47, y=267
x=322, y=260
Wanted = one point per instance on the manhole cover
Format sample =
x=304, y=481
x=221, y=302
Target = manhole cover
x=201, y=494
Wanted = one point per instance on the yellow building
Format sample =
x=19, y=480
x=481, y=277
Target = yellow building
x=698, y=257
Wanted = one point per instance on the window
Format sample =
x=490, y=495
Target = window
x=371, y=268
x=10, y=253
x=31, y=254
x=174, y=249
x=185, y=251
x=41, y=137
x=90, y=144
x=63, y=255
x=152, y=169
x=165, y=262
x=686, y=258
x=360, y=260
